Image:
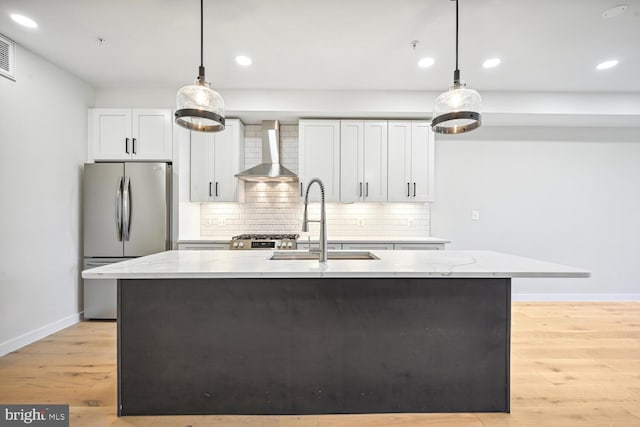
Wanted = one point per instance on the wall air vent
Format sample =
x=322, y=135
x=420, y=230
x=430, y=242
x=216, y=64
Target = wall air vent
x=7, y=58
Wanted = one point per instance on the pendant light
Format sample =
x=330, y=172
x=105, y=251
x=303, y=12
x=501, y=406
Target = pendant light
x=200, y=108
x=458, y=109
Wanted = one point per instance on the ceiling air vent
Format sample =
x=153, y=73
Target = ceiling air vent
x=7, y=58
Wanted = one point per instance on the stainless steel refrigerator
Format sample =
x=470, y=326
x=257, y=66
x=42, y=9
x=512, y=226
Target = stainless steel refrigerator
x=127, y=214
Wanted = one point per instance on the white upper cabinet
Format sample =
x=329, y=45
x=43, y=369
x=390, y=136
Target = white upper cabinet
x=363, y=163
x=130, y=134
x=215, y=159
x=319, y=157
x=422, y=162
x=410, y=162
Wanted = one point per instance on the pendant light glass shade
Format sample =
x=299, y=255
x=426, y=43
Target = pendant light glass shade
x=458, y=109
x=199, y=107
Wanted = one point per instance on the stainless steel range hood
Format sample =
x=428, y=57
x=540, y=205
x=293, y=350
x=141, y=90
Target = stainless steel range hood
x=270, y=169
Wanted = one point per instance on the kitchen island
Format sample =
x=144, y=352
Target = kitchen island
x=226, y=332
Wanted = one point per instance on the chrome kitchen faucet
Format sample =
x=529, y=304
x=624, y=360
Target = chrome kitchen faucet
x=322, y=220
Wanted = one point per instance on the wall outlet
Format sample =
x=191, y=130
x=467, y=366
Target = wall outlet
x=410, y=223
x=222, y=221
x=475, y=215
x=360, y=222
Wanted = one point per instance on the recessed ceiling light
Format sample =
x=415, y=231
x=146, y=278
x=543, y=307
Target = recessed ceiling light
x=491, y=62
x=607, y=64
x=614, y=11
x=243, y=60
x=23, y=20
x=426, y=62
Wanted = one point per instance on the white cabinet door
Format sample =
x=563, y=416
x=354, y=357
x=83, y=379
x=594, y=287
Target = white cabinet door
x=363, y=161
x=422, y=162
x=202, y=152
x=228, y=160
x=375, y=161
x=351, y=165
x=399, y=162
x=411, y=162
x=126, y=134
x=110, y=133
x=319, y=157
x=151, y=134
x=215, y=159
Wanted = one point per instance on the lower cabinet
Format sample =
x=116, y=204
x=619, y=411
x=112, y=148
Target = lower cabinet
x=418, y=246
x=203, y=246
x=368, y=246
x=330, y=246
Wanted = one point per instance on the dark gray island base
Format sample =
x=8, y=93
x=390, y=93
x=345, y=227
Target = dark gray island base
x=313, y=345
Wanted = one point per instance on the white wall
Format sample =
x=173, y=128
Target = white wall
x=566, y=195
x=43, y=133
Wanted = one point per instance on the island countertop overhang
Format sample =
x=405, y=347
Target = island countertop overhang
x=256, y=264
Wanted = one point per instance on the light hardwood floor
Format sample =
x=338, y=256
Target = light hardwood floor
x=573, y=364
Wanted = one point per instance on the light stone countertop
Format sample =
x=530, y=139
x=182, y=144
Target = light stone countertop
x=256, y=264
x=335, y=239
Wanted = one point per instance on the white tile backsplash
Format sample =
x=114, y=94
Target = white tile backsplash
x=276, y=207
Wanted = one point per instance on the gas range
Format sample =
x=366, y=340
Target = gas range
x=264, y=241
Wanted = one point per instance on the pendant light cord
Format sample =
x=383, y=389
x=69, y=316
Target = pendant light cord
x=456, y=73
x=201, y=69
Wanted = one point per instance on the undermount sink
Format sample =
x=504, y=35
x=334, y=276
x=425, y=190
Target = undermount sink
x=306, y=255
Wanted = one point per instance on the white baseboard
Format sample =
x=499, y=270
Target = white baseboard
x=37, y=334
x=575, y=297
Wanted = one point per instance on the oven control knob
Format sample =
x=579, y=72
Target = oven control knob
x=235, y=244
x=289, y=245
x=278, y=244
x=241, y=244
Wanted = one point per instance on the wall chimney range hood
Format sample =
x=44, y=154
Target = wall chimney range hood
x=270, y=169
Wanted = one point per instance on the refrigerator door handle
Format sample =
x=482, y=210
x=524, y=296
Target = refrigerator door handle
x=126, y=208
x=119, y=210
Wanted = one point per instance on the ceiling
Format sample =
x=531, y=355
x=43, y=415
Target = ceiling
x=545, y=45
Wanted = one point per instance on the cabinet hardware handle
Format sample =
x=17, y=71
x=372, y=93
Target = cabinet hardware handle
x=126, y=208
x=209, y=189
x=366, y=191
x=216, y=188
x=300, y=188
x=134, y=145
x=408, y=189
x=360, y=189
x=414, y=189
x=119, y=210
x=126, y=145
